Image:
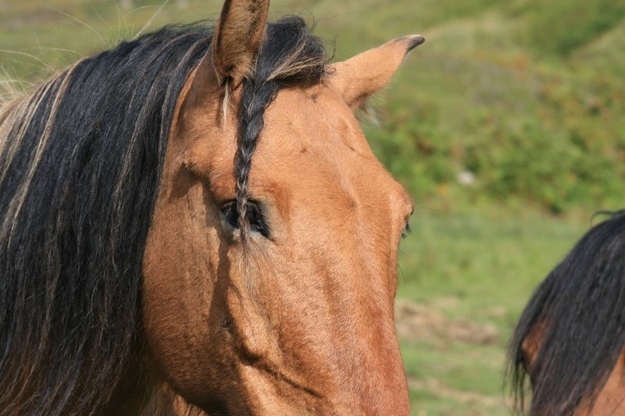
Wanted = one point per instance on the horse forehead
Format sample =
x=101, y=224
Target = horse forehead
x=312, y=142
x=315, y=116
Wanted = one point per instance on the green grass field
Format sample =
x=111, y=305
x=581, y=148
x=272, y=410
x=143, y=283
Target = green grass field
x=467, y=275
x=526, y=96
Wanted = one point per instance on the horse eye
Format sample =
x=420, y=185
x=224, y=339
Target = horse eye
x=407, y=230
x=230, y=215
x=255, y=216
x=257, y=219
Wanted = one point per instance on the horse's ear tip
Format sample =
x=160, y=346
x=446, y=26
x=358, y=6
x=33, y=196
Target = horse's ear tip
x=413, y=41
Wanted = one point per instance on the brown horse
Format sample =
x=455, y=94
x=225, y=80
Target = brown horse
x=570, y=339
x=199, y=209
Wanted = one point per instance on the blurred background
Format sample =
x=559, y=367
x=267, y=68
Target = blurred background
x=507, y=126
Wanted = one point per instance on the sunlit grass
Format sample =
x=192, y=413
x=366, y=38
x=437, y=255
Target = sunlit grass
x=477, y=269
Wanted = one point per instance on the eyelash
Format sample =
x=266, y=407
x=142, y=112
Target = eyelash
x=230, y=216
x=407, y=230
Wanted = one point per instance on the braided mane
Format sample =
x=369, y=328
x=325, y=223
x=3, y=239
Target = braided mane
x=289, y=54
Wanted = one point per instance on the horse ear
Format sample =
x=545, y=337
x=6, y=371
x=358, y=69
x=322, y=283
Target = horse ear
x=235, y=44
x=358, y=78
x=238, y=37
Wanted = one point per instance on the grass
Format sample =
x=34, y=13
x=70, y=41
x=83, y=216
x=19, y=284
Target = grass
x=485, y=258
x=475, y=268
x=455, y=379
x=527, y=96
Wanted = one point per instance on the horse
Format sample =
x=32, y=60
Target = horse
x=570, y=339
x=195, y=217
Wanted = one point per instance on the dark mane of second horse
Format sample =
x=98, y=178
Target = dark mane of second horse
x=579, y=315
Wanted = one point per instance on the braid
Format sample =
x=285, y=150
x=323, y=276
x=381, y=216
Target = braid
x=257, y=95
x=289, y=54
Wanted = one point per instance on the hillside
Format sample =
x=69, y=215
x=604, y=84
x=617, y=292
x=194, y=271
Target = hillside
x=521, y=99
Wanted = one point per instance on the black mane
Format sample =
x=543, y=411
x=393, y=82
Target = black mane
x=579, y=311
x=80, y=165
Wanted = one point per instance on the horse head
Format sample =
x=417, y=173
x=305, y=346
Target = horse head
x=270, y=268
x=570, y=339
